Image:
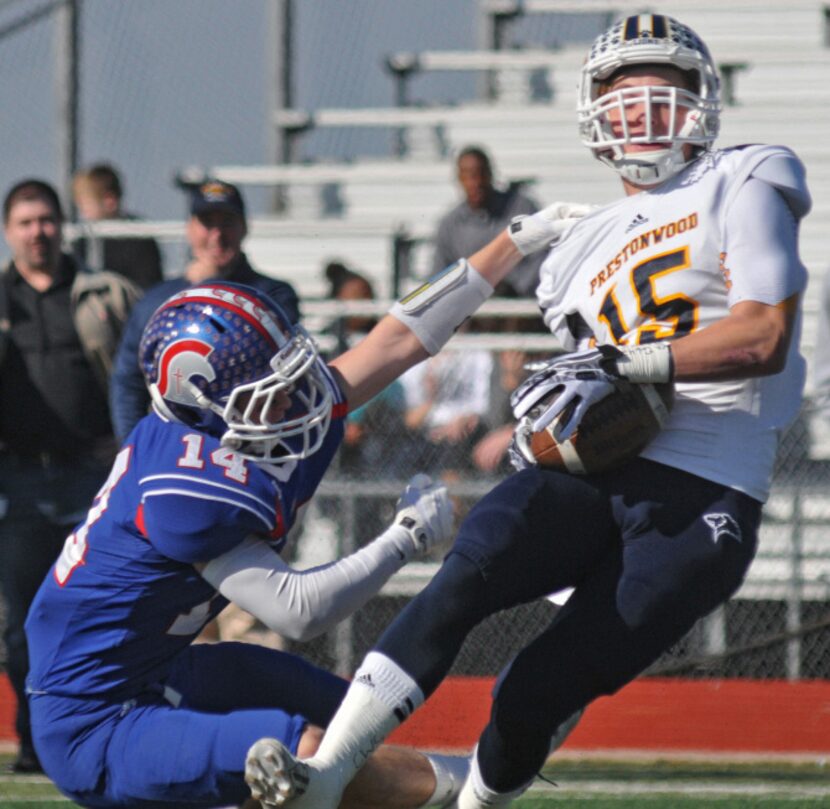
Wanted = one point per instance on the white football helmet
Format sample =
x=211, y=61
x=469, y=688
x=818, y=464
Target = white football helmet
x=648, y=39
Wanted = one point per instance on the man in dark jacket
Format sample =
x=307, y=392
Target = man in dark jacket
x=98, y=193
x=215, y=231
x=54, y=425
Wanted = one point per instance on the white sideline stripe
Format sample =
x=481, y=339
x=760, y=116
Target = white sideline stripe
x=25, y=779
x=571, y=791
x=777, y=790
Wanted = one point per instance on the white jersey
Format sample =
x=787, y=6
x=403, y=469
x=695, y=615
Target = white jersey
x=663, y=263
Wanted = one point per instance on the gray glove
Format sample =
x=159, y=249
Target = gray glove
x=425, y=511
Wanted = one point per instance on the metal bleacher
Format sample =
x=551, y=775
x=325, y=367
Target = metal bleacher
x=775, y=55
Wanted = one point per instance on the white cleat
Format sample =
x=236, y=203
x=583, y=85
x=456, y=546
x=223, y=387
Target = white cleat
x=276, y=778
x=273, y=774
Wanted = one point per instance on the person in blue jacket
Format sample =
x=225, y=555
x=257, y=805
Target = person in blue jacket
x=215, y=232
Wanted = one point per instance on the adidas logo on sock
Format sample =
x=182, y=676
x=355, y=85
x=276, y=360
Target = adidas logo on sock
x=365, y=679
x=636, y=222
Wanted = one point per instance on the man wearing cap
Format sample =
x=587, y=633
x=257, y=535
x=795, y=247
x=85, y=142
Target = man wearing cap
x=215, y=231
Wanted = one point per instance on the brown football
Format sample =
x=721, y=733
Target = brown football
x=612, y=431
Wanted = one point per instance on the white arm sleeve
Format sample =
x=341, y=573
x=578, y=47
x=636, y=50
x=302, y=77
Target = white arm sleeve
x=301, y=604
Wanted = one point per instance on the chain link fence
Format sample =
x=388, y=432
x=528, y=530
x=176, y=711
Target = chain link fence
x=777, y=626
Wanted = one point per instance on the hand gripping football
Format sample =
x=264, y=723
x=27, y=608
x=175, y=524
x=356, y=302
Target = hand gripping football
x=612, y=431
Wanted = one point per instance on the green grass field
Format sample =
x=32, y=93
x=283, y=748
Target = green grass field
x=594, y=784
x=672, y=784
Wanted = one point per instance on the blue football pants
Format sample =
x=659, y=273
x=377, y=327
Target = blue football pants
x=183, y=742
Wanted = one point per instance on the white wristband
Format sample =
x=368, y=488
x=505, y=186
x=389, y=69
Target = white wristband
x=438, y=307
x=651, y=362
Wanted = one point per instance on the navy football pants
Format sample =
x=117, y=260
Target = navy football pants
x=649, y=549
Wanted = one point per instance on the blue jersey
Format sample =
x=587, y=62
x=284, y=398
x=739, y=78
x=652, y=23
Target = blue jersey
x=123, y=598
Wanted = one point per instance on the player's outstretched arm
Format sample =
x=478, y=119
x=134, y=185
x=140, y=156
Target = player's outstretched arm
x=301, y=604
x=421, y=323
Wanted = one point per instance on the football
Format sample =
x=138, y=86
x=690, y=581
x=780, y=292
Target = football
x=612, y=431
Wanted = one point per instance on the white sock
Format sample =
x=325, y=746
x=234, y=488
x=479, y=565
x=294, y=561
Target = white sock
x=450, y=775
x=380, y=697
x=475, y=794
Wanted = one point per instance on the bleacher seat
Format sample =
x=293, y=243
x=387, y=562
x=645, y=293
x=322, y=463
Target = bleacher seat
x=780, y=97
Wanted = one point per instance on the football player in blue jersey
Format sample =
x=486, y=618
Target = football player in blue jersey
x=126, y=712
x=198, y=504
x=693, y=276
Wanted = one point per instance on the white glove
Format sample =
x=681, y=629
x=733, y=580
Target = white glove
x=576, y=391
x=425, y=511
x=546, y=227
x=650, y=362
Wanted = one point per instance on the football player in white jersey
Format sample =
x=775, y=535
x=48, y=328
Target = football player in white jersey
x=692, y=277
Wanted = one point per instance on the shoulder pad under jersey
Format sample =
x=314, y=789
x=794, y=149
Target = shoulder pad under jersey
x=786, y=173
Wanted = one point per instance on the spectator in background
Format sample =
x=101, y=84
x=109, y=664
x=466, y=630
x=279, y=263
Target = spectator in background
x=54, y=424
x=372, y=428
x=447, y=406
x=489, y=454
x=98, y=194
x=458, y=403
x=347, y=285
x=215, y=232
x=484, y=213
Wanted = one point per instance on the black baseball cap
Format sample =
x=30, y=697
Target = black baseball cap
x=214, y=195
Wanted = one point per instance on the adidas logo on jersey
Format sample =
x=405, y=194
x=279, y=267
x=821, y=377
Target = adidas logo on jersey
x=636, y=222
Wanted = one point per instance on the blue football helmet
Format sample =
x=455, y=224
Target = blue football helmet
x=214, y=357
